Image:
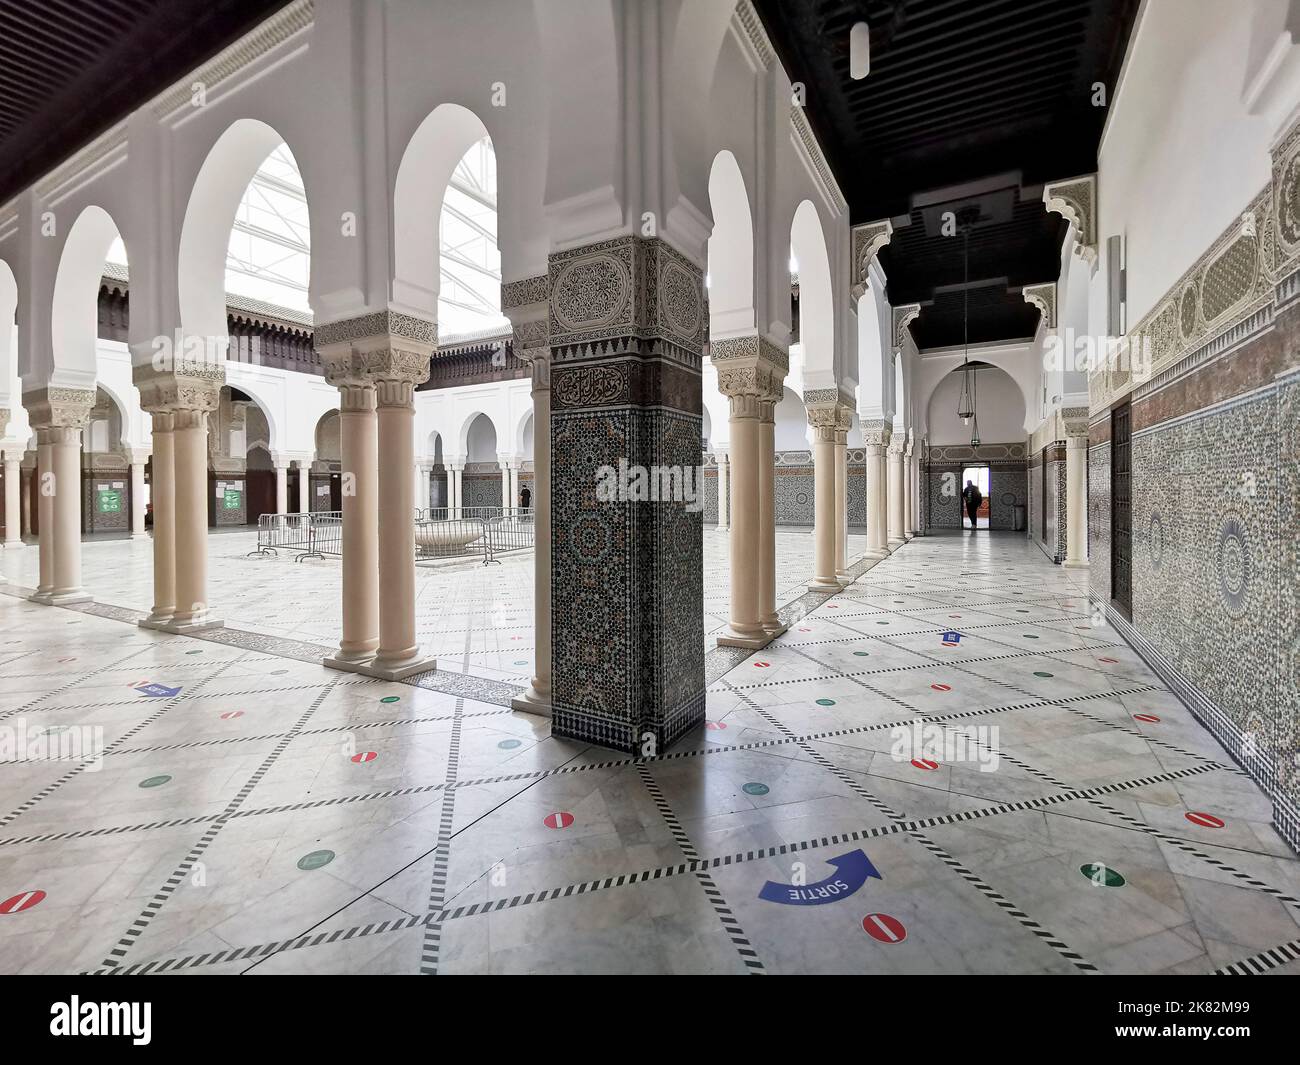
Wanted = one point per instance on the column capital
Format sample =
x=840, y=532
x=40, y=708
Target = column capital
x=876, y=432
x=4, y=420
x=59, y=407
x=190, y=377
x=1075, y=422
x=138, y=456
x=395, y=393
x=382, y=346
x=355, y=396
x=752, y=363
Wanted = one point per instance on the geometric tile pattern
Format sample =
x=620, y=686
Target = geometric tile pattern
x=270, y=841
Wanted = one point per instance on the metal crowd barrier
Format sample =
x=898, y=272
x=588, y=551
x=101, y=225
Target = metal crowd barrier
x=440, y=532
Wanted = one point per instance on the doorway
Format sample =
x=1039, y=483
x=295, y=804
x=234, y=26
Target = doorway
x=979, y=477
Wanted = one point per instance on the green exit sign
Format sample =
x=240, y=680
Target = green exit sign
x=110, y=502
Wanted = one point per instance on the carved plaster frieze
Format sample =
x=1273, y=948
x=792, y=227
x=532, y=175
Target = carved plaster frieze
x=904, y=315
x=394, y=365
x=1075, y=199
x=4, y=421
x=1044, y=298
x=1075, y=421
x=522, y=293
x=59, y=408
x=877, y=432
x=868, y=239
x=380, y=323
x=826, y=397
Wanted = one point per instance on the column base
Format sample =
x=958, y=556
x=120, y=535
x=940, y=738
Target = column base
x=373, y=667
x=532, y=702
x=14, y=545
x=1069, y=564
x=844, y=577
x=40, y=597
x=823, y=584
x=68, y=598
x=876, y=552
x=154, y=621
x=750, y=641
x=140, y=536
x=774, y=626
x=895, y=542
x=186, y=627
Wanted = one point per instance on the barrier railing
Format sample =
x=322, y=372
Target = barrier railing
x=440, y=532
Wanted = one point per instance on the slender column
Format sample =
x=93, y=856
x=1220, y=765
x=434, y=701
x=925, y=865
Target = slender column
x=841, y=505
x=895, y=462
x=190, y=430
x=456, y=488
x=304, y=485
x=1076, y=502
x=537, y=700
x=824, y=501
x=745, y=628
x=514, y=483
x=504, y=465
x=399, y=652
x=358, y=451
x=724, y=502
x=163, y=494
x=767, y=517
x=876, y=436
x=13, y=500
x=282, y=487
x=44, y=515
x=420, y=492
x=137, y=497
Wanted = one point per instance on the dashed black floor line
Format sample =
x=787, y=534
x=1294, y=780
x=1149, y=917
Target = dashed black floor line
x=442, y=854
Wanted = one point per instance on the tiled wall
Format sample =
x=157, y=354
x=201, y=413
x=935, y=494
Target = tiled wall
x=1008, y=483
x=793, y=487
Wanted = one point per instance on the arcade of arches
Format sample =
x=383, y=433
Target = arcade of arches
x=596, y=750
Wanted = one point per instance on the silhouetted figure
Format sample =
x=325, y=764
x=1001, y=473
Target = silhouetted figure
x=525, y=497
x=972, y=497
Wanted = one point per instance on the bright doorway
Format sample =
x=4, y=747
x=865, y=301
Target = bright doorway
x=979, y=477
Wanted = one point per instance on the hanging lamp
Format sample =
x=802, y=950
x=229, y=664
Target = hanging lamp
x=966, y=398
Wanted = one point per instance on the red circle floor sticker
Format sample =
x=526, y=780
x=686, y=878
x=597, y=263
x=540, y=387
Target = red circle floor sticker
x=925, y=763
x=714, y=726
x=230, y=715
x=559, y=819
x=365, y=756
x=884, y=928
x=23, y=901
x=1149, y=718
x=1204, y=820
x=941, y=687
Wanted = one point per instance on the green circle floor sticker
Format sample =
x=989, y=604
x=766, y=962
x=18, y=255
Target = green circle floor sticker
x=155, y=782
x=509, y=745
x=315, y=860
x=1040, y=673
x=1102, y=875
x=862, y=654
x=755, y=788
x=825, y=702
x=390, y=698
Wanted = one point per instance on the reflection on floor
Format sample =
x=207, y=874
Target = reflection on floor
x=945, y=768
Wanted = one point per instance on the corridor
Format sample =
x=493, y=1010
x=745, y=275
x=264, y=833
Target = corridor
x=947, y=767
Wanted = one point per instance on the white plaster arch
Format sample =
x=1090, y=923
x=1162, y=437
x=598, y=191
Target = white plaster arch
x=522, y=433
x=816, y=296
x=871, y=353
x=8, y=333
x=266, y=402
x=468, y=427
x=730, y=250
x=791, y=431
x=125, y=408
x=74, y=302
x=430, y=158
x=220, y=184
x=1001, y=408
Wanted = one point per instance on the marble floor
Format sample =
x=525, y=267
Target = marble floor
x=867, y=795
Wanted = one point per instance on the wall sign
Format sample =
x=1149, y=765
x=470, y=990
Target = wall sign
x=108, y=501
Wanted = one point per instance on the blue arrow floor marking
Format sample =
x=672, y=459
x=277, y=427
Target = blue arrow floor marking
x=853, y=870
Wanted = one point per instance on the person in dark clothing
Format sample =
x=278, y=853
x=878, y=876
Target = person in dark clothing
x=972, y=497
x=525, y=497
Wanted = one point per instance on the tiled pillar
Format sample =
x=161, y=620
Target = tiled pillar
x=724, y=503
x=628, y=324
x=59, y=415
x=13, y=500
x=398, y=654
x=304, y=485
x=1076, y=502
x=190, y=435
x=138, y=531
x=527, y=303
x=163, y=496
x=895, y=462
x=360, y=477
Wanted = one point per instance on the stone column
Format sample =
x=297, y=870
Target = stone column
x=138, y=460
x=629, y=321
x=190, y=435
x=359, y=464
x=420, y=491
x=767, y=614
x=724, y=502
x=825, y=424
x=13, y=500
x=514, y=484
x=163, y=497
x=504, y=466
x=745, y=628
x=304, y=485
x=527, y=303
x=875, y=434
x=456, y=485
x=59, y=415
x=1076, y=502
x=282, y=486
x=841, y=505
x=895, y=489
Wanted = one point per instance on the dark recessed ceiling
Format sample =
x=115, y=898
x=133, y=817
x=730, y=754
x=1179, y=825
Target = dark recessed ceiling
x=967, y=102
x=69, y=69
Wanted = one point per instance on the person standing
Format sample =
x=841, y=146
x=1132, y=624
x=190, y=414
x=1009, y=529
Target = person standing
x=525, y=497
x=972, y=497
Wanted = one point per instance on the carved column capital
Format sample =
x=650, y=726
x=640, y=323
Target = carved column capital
x=356, y=397
x=59, y=407
x=750, y=362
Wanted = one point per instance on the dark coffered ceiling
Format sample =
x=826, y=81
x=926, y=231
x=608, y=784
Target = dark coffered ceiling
x=969, y=104
x=69, y=69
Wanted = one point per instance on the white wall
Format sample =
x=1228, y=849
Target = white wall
x=1000, y=406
